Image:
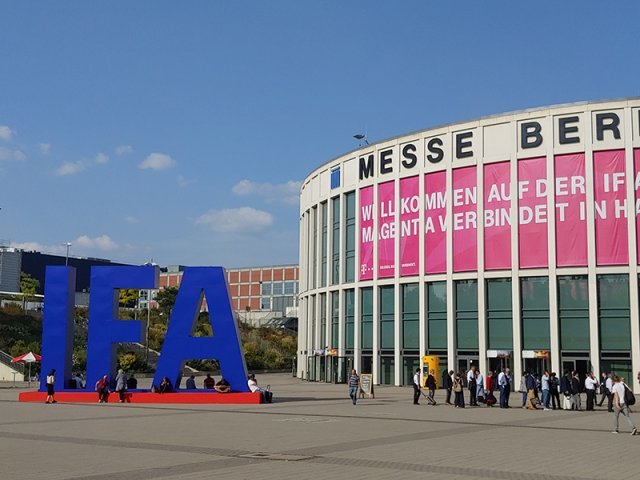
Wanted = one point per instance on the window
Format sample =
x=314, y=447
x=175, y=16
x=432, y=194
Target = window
x=335, y=177
x=335, y=242
x=313, y=247
x=437, y=315
x=534, y=298
x=467, y=314
x=350, y=237
x=277, y=288
x=312, y=317
x=265, y=303
x=265, y=288
x=573, y=312
x=335, y=319
x=366, y=318
x=323, y=320
x=387, y=318
x=289, y=288
x=410, y=317
x=349, y=319
x=499, y=314
x=323, y=244
x=613, y=312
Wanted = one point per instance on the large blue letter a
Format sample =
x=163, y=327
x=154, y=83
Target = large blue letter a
x=224, y=346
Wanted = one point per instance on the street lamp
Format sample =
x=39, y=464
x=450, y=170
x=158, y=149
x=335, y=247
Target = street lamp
x=66, y=260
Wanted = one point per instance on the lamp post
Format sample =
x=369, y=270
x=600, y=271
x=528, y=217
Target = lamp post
x=66, y=259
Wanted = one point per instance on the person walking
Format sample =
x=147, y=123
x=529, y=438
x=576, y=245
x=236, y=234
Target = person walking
x=51, y=380
x=603, y=388
x=531, y=387
x=554, y=391
x=458, y=390
x=472, y=385
x=416, y=387
x=354, y=385
x=431, y=385
x=620, y=406
x=590, y=385
x=121, y=384
x=447, y=383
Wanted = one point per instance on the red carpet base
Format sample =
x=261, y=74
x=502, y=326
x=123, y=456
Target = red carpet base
x=148, y=397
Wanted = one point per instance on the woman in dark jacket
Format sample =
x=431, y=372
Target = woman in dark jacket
x=431, y=385
x=458, y=390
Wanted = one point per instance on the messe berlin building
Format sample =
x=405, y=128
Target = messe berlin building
x=510, y=240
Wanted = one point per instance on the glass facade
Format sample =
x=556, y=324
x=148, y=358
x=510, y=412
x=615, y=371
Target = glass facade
x=350, y=237
x=323, y=320
x=614, y=313
x=573, y=312
x=335, y=241
x=499, y=314
x=466, y=314
x=335, y=319
x=386, y=318
x=323, y=244
x=366, y=318
x=349, y=318
x=534, y=301
x=437, y=315
x=410, y=311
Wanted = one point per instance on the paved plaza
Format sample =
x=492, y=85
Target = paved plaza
x=311, y=431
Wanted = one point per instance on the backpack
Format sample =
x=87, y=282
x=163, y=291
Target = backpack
x=629, y=397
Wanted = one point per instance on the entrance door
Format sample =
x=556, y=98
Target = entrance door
x=465, y=363
x=536, y=365
x=579, y=365
x=497, y=364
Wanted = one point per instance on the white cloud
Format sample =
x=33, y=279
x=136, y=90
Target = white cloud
x=157, y=161
x=243, y=219
x=103, y=242
x=182, y=182
x=82, y=243
x=70, y=168
x=15, y=155
x=5, y=133
x=45, y=148
x=131, y=219
x=123, y=150
x=287, y=192
x=101, y=158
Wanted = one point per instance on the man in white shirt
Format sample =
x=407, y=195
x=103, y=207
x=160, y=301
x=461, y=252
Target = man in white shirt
x=472, y=386
x=544, y=384
x=609, y=385
x=590, y=385
x=504, y=384
x=416, y=387
x=620, y=406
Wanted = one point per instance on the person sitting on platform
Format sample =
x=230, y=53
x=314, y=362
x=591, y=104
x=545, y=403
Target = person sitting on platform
x=223, y=386
x=191, y=383
x=165, y=386
x=253, y=386
x=102, y=387
x=209, y=383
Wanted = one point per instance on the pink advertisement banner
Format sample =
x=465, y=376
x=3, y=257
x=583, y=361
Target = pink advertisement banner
x=435, y=238
x=387, y=226
x=610, y=208
x=497, y=219
x=409, y=226
x=465, y=220
x=571, y=200
x=532, y=213
x=366, y=233
x=636, y=165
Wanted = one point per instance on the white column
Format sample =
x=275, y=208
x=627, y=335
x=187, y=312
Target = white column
x=482, y=309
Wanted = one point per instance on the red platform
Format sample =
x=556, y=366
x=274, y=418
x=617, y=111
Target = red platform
x=185, y=397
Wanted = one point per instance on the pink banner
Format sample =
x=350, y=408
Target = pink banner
x=435, y=238
x=366, y=233
x=636, y=163
x=532, y=213
x=465, y=220
x=497, y=219
x=409, y=225
x=387, y=229
x=571, y=201
x=610, y=208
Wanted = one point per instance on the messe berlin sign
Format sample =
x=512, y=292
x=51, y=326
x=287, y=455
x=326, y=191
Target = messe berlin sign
x=500, y=208
x=105, y=330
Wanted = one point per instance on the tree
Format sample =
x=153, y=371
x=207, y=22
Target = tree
x=28, y=287
x=166, y=298
x=128, y=297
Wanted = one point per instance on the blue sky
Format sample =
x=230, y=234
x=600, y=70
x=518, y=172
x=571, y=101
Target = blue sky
x=180, y=131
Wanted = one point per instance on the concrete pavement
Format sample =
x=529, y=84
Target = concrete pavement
x=311, y=431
